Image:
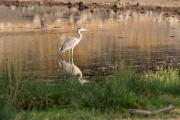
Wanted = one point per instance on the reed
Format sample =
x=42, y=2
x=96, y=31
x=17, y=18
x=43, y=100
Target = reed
x=11, y=87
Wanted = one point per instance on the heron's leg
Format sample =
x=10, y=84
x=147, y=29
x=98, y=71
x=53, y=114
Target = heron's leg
x=69, y=55
x=72, y=56
x=72, y=61
x=72, y=51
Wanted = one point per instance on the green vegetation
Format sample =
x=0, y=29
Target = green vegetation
x=25, y=99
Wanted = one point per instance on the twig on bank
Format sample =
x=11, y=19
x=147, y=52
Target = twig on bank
x=146, y=112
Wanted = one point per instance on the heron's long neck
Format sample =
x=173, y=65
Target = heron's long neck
x=80, y=35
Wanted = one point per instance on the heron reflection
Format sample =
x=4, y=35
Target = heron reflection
x=71, y=69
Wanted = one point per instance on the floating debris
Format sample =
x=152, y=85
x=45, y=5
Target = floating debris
x=142, y=12
x=92, y=11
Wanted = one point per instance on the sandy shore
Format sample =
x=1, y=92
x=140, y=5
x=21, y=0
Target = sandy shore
x=168, y=3
x=163, y=3
x=172, y=7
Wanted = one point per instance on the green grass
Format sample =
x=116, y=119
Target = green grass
x=6, y=111
x=61, y=114
x=110, y=98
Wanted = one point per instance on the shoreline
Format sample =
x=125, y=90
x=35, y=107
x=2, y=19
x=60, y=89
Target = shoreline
x=115, y=6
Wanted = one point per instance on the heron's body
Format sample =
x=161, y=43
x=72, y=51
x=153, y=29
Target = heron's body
x=71, y=42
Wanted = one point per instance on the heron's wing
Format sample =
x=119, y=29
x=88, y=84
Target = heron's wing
x=69, y=43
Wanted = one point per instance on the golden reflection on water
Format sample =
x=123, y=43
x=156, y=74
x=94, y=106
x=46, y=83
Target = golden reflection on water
x=34, y=37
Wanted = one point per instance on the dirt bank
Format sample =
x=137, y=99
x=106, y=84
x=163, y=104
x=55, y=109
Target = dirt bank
x=172, y=7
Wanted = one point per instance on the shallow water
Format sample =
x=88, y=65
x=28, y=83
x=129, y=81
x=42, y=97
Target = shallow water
x=143, y=41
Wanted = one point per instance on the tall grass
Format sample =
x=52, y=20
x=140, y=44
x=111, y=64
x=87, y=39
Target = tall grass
x=12, y=82
x=164, y=81
x=126, y=89
x=11, y=87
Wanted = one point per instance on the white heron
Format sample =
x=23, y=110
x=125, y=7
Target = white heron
x=70, y=43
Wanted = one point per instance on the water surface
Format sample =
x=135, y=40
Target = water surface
x=33, y=36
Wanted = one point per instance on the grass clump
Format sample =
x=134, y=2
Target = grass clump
x=11, y=87
x=163, y=81
x=11, y=83
x=7, y=111
x=166, y=81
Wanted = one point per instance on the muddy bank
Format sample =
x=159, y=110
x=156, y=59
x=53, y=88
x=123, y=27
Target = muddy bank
x=171, y=7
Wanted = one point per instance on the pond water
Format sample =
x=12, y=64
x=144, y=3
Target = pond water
x=33, y=35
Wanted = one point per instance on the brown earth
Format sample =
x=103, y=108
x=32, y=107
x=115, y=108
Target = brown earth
x=172, y=7
x=147, y=2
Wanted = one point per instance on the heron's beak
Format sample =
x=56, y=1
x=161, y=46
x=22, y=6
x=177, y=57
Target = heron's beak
x=85, y=30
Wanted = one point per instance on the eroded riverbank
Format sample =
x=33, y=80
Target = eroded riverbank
x=172, y=7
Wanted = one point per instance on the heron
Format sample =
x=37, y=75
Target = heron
x=70, y=43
